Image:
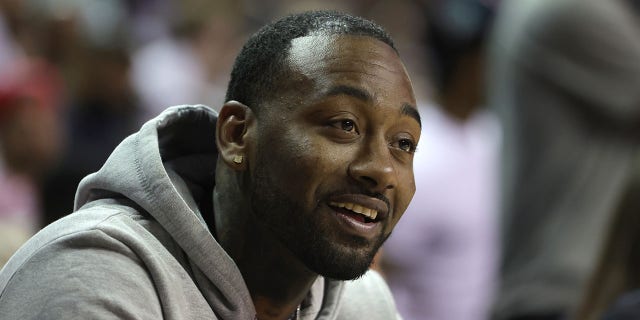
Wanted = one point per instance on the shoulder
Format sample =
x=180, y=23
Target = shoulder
x=368, y=297
x=79, y=266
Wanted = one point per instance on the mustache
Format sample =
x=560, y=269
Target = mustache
x=368, y=193
x=380, y=196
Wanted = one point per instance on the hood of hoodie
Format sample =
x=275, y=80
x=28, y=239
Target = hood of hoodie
x=168, y=170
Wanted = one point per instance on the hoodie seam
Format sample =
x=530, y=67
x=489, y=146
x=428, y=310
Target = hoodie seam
x=339, y=301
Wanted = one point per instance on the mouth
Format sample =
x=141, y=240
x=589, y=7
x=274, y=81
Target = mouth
x=359, y=215
x=356, y=211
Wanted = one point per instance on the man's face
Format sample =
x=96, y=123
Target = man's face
x=333, y=168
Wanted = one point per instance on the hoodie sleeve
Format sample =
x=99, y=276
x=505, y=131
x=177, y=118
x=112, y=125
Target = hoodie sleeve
x=85, y=275
x=367, y=298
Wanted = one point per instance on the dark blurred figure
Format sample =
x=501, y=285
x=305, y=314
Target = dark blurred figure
x=614, y=289
x=456, y=36
x=30, y=140
x=565, y=77
x=11, y=27
x=101, y=108
x=440, y=261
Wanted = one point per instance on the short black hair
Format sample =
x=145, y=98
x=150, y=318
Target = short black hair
x=260, y=65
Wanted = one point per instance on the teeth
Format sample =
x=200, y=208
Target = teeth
x=367, y=212
x=372, y=213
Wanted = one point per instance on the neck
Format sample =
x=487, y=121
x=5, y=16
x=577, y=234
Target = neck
x=276, y=279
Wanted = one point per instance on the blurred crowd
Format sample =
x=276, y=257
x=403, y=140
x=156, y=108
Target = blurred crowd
x=527, y=171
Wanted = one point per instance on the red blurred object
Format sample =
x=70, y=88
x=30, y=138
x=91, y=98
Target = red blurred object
x=31, y=80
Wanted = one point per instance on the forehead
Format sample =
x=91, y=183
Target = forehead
x=315, y=48
x=362, y=61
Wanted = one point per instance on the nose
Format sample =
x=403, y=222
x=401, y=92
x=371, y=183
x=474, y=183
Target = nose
x=374, y=168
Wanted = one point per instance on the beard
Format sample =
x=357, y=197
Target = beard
x=303, y=232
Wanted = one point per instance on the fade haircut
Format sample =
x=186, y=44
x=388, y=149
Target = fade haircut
x=261, y=64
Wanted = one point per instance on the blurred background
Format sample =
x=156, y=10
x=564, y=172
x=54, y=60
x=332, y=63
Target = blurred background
x=531, y=123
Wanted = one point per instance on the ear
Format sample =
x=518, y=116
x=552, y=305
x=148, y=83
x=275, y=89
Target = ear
x=233, y=128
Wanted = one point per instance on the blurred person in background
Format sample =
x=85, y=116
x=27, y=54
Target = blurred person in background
x=101, y=107
x=30, y=144
x=613, y=292
x=440, y=261
x=564, y=77
x=31, y=91
x=191, y=63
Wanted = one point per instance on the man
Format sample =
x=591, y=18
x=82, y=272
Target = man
x=566, y=92
x=312, y=170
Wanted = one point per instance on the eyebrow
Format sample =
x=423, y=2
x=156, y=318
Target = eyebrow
x=407, y=109
x=411, y=111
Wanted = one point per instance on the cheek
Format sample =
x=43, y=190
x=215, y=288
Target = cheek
x=405, y=193
x=317, y=171
x=295, y=164
x=314, y=165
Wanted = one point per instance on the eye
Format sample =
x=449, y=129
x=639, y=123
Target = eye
x=406, y=145
x=346, y=125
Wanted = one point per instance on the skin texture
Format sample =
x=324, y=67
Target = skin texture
x=343, y=129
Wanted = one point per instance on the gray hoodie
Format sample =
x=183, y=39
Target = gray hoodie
x=137, y=247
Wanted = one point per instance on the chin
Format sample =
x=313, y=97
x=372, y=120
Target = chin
x=339, y=262
x=338, y=271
